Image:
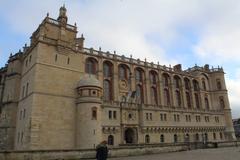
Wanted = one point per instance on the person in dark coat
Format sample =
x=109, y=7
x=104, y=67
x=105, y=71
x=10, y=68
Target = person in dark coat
x=102, y=151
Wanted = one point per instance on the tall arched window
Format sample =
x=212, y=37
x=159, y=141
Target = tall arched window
x=139, y=76
x=107, y=69
x=188, y=98
x=222, y=104
x=166, y=80
x=139, y=93
x=147, y=139
x=178, y=97
x=195, y=85
x=206, y=103
x=154, y=95
x=175, y=138
x=91, y=66
x=166, y=97
x=110, y=140
x=162, y=138
x=187, y=84
x=153, y=77
x=107, y=90
x=204, y=84
x=123, y=72
x=197, y=100
x=177, y=82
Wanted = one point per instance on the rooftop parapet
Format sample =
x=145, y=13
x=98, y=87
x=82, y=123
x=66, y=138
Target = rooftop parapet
x=205, y=68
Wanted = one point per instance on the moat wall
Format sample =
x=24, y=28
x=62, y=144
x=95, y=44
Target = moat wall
x=113, y=152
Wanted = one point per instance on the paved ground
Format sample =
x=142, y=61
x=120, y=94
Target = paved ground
x=231, y=153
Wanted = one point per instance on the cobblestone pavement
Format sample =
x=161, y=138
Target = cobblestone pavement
x=230, y=153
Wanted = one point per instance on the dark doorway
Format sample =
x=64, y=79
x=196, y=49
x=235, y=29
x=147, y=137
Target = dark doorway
x=129, y=135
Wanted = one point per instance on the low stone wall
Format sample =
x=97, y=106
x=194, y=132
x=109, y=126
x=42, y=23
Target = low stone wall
x=114, y=152
x=87, y=154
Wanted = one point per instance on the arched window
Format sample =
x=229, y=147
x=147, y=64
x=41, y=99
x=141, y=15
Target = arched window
x=222, y=104
x=178, y=97
x=91, y=66
x=147, y=139
x=187, y=138
x=196, y=137
x=107, y=69
x=123, y=72
x=221, y=135
x=153, y=77
x=162, y=138
x=94, y=113
x=187, y=84
x=154, y=95
x=197, y=100
x=166, y=80
x=206, y=137
x=107, y=90
x=175, y=138
x=195, y=85
x=214, y=136
x=188, y=98
x=139, y=75
x=206, y=103
x=166, y=97
x=139, y=93
x=219, y=85
x=177, y=82
x=204, y=84
x=110, y=140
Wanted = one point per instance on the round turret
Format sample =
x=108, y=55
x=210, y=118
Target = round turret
x=89, y=81
x=89, y=89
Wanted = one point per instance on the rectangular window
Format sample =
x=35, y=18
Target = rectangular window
x=22, y=137
x=178, y=118
x=94, y=113
x=146, y=116
x=18, y=138
x=165, y=117
x=24, y=113
x=110, y=114
x=115, y=114
x=26, y=90
x=161, y=117
x=150, y=116
x=23, y=91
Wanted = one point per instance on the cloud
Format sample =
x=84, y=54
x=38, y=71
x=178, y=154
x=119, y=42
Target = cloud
x=127, y=26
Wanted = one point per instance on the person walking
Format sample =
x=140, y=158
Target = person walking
x=102, y=151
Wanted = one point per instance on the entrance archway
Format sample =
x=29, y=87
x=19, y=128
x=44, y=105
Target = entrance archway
x=129, y=135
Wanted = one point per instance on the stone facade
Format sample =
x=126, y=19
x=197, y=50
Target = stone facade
x=57, y=94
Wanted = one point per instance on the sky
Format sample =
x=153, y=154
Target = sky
x=188, y=32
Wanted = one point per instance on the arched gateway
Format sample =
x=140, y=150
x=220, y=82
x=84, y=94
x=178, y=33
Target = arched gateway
x=130, y=135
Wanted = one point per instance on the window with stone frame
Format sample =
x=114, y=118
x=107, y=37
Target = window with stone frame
x=94, y=113
x=91, y=66
x=166, y=97
x=111, y=140
x=147, y=139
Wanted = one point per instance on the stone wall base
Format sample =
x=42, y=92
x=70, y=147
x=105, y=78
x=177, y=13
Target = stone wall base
x=113, y=152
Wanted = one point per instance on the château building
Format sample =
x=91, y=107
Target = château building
x=57, y=94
